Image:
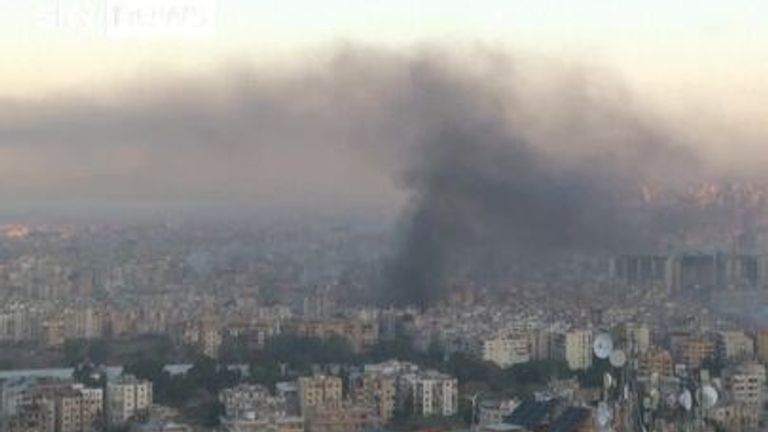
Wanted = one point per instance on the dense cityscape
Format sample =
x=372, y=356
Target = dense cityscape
x=275, y=326
x=383, y=216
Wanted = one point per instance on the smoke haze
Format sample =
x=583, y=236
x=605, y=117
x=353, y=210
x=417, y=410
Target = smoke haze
x=491, y=154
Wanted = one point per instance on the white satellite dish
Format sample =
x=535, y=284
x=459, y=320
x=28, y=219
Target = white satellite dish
x=686, y=400
x=709, y=396
x=617, y=358
x=607, y=380
x=603, y=414
x=603, y=345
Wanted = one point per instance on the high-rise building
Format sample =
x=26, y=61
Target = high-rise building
x=717, y=270
x=639, y=269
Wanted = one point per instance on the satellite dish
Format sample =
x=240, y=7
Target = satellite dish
x=617, y=358
x=607, y=380
x=686, y=400
x=603, y=345
x=709, y=396
x=603, y=415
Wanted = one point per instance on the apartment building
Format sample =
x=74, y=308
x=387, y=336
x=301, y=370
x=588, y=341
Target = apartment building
x=318, y=391
x=127, y=398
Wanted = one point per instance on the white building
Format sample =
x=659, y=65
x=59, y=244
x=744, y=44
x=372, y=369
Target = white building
x=430, y=393
x=391, y=367
x=126, y=398
x=734, y=345
x=253, y=408
x=746, y=384
x=251, y=400
x=578, y=349
x=505, y=351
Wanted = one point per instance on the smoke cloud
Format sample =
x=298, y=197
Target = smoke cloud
x=498, y=157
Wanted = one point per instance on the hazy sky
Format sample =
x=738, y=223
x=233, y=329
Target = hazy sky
x=685, y=54
x=701, y=63
x=683, y=45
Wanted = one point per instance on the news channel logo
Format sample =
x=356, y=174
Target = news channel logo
x=130, y=19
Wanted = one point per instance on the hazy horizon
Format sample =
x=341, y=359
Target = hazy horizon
x=297, y=105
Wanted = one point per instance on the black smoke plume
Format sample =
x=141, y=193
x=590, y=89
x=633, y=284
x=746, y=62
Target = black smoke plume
x=502, y=179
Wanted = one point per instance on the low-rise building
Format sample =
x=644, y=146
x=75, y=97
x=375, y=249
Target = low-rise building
x=656, y=360
x=343, y=417
x=49, y=405
x=734, y=345
x=428, y=393
x=505, y=351
x=746, y=384
x=252, y=408
x=376, y=390
x=319, y=390
x=692, y=351
x=361, y=334
x=578, y=349
x=490, y=412
x=127, y=398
